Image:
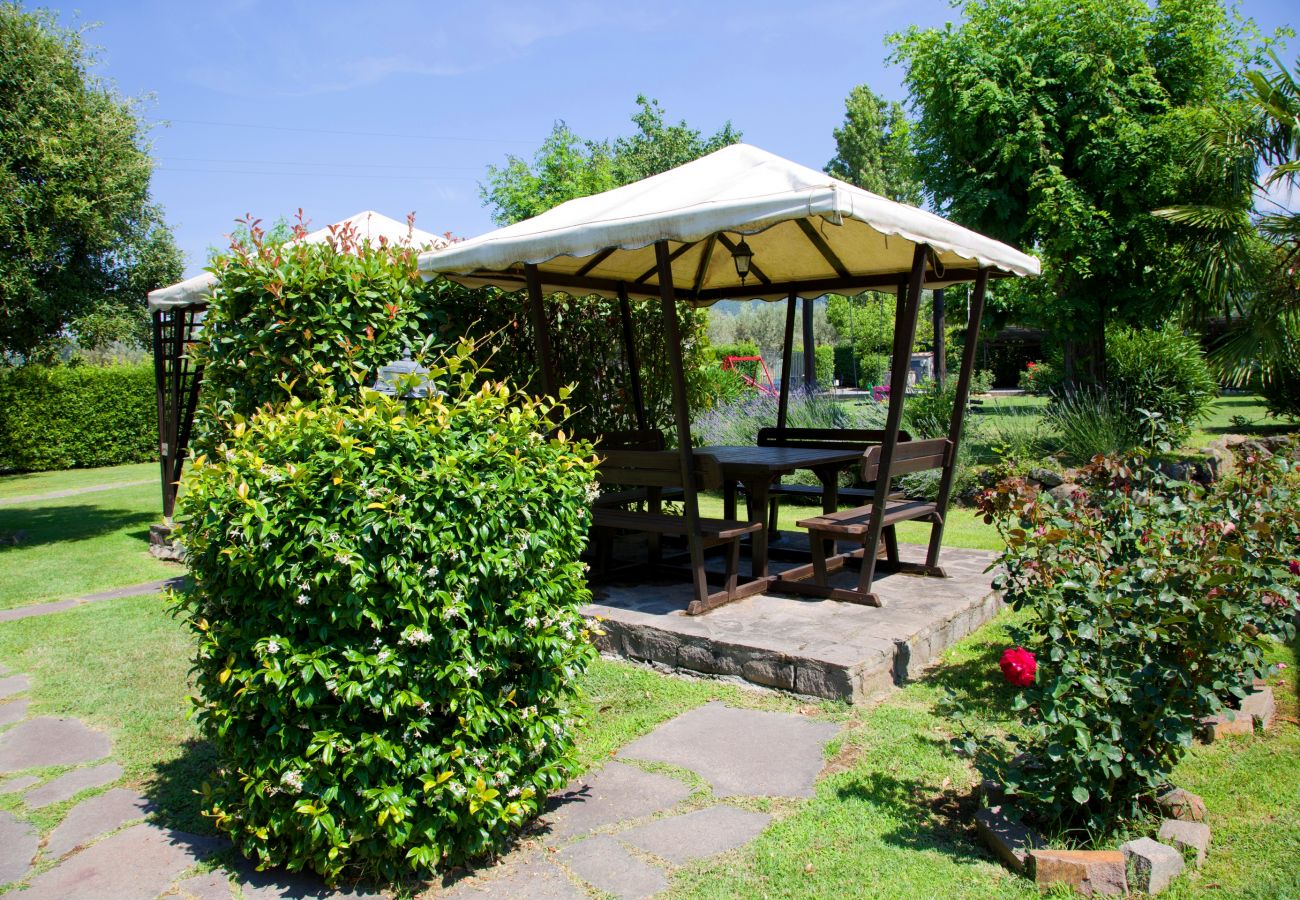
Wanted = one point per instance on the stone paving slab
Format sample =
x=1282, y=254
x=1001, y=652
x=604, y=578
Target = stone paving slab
x=696, y=835
x=741, y=751
x=18, y=783
x=136, y=864
x=91, y=818
x=45, y=609
x=281, y=885
x=68, y=785
x=616, y=793
x=46, y=741
x=208, y=886
x=13, y=711
x=821, y=648
x=604, y=863
x=14, y=684
x=18, y=842
x=522, y=879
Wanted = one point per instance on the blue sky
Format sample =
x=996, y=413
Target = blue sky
x=265, y=107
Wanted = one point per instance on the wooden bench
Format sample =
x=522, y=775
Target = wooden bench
x=650, y=439
x=855, y=525
x=656, y=471
x=820, y=439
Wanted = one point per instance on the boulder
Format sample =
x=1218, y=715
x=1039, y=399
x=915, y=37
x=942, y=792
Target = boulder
x=1259, y=706
x=1186, y=836
x=1151, y=865
x=1087, y=871
x=1046, y=477
x=1180, y=804
x=1062, y=492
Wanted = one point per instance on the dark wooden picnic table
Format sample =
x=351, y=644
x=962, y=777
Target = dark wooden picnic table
x=756, y=468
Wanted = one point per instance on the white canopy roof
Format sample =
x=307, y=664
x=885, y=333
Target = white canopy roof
x=809, y=233
x=370, y=224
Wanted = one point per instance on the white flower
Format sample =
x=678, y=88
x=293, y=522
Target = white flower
x=471, y=672
x=514, y=791
x=303, y=599
x=383, y=656
x=457, y=789
x=418, y=636
x=424, y=707
x=500, y=778
x=593, y=492
x=532, y=623
x=272, y=647
x=292, y=780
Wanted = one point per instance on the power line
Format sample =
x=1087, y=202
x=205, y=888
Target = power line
x=409, y=137
x=304, y=162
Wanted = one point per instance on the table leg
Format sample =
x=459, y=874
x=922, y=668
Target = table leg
x=729, y=500
x=829, y=476
x=756, y=497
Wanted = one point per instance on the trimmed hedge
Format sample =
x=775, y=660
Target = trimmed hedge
x=69, y=417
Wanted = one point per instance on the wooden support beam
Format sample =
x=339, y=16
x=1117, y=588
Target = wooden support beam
x=909, y=293
x=596, y=260
x=702, y=271
x=682, y=414
x=787, y=354
x=629, y=354
x=809, y=348
x=940, y=350
x=541, y=329
x=815, y=238
x=754, y=268
x=960, y=402
x=672, y=257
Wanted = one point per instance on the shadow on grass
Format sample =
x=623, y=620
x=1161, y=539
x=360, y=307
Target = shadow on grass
x=58, y=524
x=939, y=823
x=176, y=789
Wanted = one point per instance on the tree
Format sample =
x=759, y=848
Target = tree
x=80, y=241
x=1059, y=125
x=873, y=149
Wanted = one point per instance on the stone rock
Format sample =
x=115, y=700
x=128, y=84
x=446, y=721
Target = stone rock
x=603, y=862
x=1062, y=492
x=18, y=842
x=1212, y=728
x=1259, y=706
x=46, y=741
x=1046, y=477
x=13, y=711
x=1186, y=836
x=68, y=785
x=741, y=751
x=530, y=879
x=1151, y=865
x=163, y=546
x=1087, y=871
x=696, y=835
x=136, y=864
x=91, y=818
x=1181, y=804
x=1010, y=840
x=14, y=684
x=18, y=783
x=613, y=794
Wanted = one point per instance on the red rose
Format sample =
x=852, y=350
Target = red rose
x=1295, y=567
x=1018, y=666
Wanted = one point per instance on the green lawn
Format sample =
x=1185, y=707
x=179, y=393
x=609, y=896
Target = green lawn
x=72, y=479
x=70, y=546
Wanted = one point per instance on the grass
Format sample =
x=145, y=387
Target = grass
x=71, y=546
x=72, y=479
x=964, y=528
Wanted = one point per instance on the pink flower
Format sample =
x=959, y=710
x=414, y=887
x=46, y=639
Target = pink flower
x=1229, y=528
x=1018, y=666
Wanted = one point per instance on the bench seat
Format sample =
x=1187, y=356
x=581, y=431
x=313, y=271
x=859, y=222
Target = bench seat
x=856, y=522
x=657, y=523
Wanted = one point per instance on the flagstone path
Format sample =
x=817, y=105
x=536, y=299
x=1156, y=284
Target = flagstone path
x=695, y=787
x=45, y=609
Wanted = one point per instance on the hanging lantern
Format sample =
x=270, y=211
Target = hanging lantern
x=742, y=256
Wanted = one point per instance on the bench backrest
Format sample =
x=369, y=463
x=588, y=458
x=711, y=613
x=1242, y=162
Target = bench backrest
x=661, y=468
x=643, y=439
x=913, y=456
x=824, y=438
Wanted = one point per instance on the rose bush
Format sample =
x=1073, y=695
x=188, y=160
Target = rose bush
x=385, y=597
x=1148, y=606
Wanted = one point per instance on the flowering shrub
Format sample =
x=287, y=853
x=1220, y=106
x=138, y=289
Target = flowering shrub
x=1039, y=378
x=385, y=598
x=1149, y=603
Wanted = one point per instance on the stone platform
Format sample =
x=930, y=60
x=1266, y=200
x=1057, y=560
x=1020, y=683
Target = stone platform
x=820, y=648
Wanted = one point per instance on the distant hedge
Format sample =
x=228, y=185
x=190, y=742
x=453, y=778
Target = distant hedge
x=65, y=417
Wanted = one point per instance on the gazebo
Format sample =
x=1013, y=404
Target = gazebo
x=177, y=313
x=744, y=224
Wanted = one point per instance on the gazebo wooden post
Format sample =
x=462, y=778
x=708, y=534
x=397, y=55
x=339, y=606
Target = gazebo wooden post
x=541, y=331
x=904, y=336
x=940, y=351
x=681, y=412
x=960, y=402
x=629, y=351
x=165, y=429
x=809, y=348
x=787, y=353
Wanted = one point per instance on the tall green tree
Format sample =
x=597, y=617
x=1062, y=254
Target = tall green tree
x=1058, y=126
x=873, y=148
x=80, y=241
